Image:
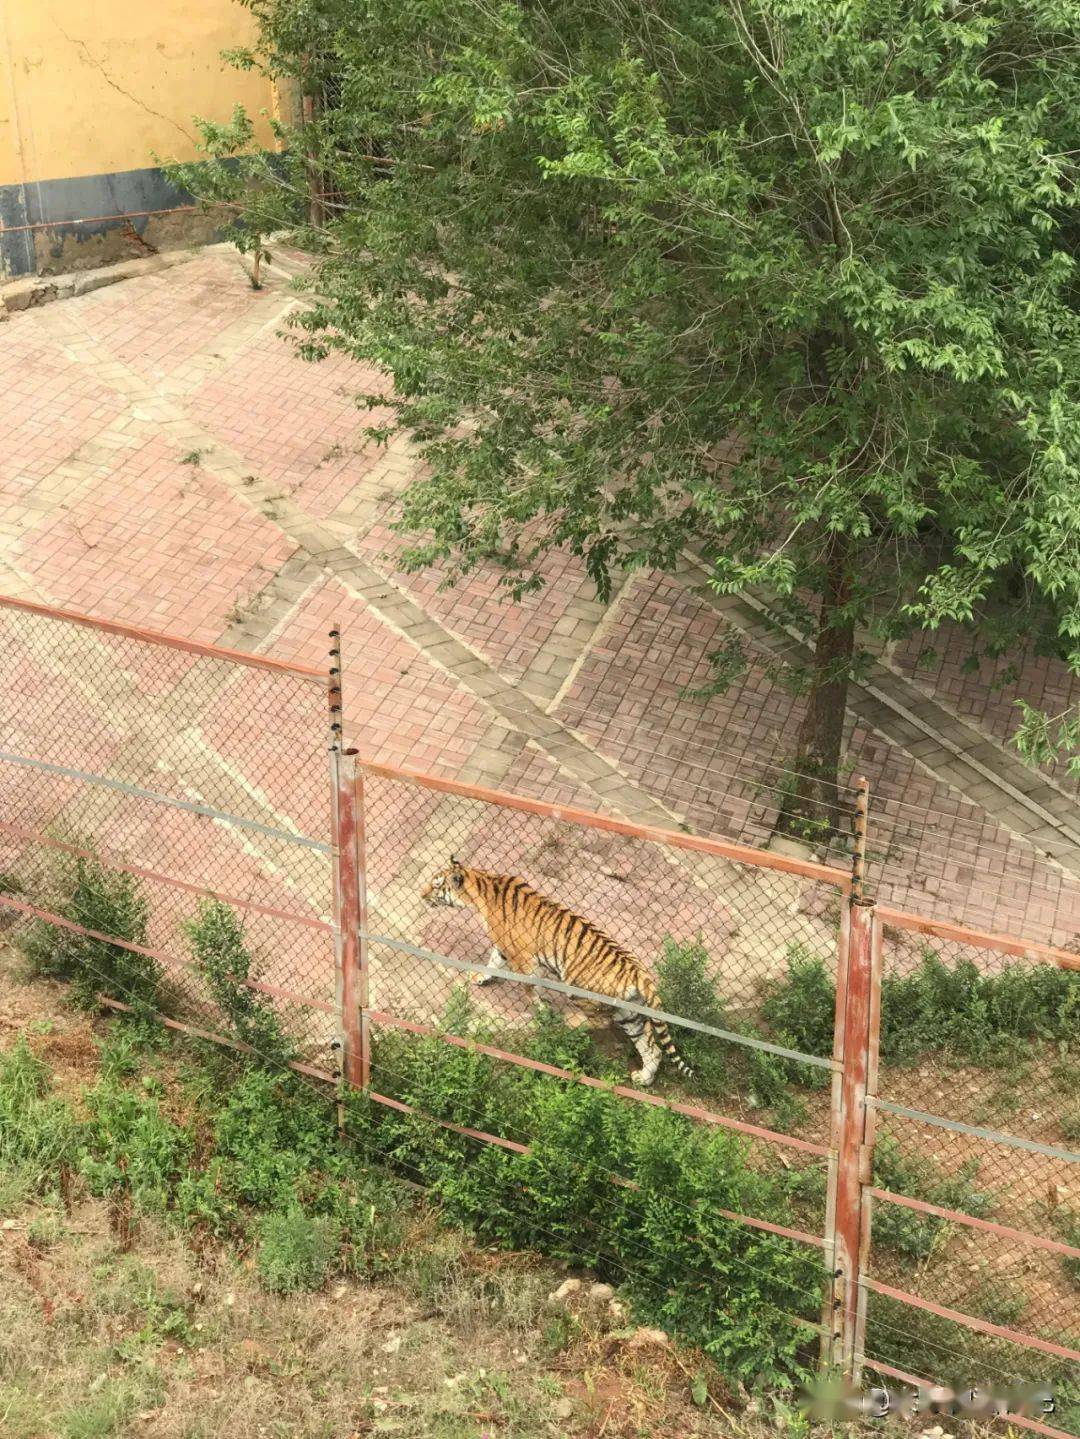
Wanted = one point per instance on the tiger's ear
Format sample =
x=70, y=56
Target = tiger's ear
x=457, y=873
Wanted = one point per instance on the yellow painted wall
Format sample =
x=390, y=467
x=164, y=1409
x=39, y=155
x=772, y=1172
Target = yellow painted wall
x=90, y=87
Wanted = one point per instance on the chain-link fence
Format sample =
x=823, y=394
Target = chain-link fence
x=143, y=780
x=973, y=1264
x=902, y=1091
x=719, y=944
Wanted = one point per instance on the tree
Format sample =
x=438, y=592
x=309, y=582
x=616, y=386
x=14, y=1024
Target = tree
x=790, y=282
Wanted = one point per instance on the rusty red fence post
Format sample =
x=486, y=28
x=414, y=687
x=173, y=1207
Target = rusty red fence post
x=858, y=986
x=362, y=998
x=348, y=918
x=346, y=811
x=852, y=1157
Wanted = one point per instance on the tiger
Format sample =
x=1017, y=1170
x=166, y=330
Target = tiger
x=532, y=934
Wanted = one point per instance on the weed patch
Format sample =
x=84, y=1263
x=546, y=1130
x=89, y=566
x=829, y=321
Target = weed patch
x=217, y=943
x=84, y=891
x=908, y=1232
x=130, y=1145
x=38, y=1133
x=296, y=1251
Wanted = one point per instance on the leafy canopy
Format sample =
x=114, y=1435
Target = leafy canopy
x=743, y=276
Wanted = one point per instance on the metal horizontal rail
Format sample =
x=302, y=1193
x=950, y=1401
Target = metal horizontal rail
x=321, y=1074
x=290, y=996
x=248, y=905
x=96, y=219
x=956, y=1216
x=480, y=1134
x=208, y=1034
x=797, y=1234
x=8, y=901
x=536, y=981
x=1036, y=1425
x=22, y=906
x=995, y=1136
x=674, y=839
x=156, y=637
x=977, y=938
x=517, y=1148
x=88, y=777
x=639, y=1096
x=969, y=1321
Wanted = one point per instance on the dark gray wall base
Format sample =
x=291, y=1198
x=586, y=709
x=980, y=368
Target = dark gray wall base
x=59, y=244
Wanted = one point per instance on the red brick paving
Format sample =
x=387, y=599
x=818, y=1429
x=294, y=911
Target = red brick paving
x=711, y=762
x=399, y=708
x=167, y=545
x=988, y=692
x=479, y=610
x=158, y=323
x=297, y=422
x=157, y=543
x=50, y=407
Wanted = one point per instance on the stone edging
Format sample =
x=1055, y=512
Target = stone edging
x=35, y=290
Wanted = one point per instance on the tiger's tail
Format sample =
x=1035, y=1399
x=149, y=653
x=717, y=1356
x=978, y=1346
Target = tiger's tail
x=667, y=1044
x=661, y=1031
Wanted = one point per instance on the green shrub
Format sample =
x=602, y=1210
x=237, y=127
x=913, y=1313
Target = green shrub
x=272, y=1145
x=723, y=1066
x=270, y=1131
x=295, y=1251
x=554, y=1041
x=800, y=1009
x=973, y=1016
x=906, y=1230
x=682, y=977
x=216, y=937
x=955, y=1010
x=39, y=1136
x=84, y=891
x=131, y=1144
x=659, y=1234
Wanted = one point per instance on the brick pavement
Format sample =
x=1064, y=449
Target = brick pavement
x=985, y=691
x=282, y=526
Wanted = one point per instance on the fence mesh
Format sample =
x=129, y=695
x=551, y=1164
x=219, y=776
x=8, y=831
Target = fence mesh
x=184, y=776
x=181, y=775
x=978, y=1078
x=726, y=944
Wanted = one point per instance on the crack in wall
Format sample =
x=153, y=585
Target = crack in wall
x=100, y=68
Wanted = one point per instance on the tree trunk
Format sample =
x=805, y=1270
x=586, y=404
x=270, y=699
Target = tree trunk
x=811, y=811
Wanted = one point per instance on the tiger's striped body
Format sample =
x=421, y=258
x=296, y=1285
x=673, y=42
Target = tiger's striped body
x=532, y=934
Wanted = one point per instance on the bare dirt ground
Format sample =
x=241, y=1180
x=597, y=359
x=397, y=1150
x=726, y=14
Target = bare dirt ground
x=158, y=1343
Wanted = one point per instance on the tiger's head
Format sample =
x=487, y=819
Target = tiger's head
x=448, y=886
